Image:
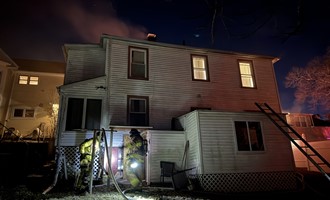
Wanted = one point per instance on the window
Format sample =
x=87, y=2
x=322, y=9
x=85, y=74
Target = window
x=299, y=121
x=23, y=113
x=138, y=111
x=31, y=80
x=83, y=114
x=138, y=63
x=199, y=68
x=246, y=72
x=249, y=136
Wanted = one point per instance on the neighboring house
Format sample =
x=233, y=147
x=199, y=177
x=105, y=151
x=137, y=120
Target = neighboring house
x=34, y=99
x=196, y=107
x=7, y=73
x=314, y=130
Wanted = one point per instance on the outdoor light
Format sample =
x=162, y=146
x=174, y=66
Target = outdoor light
x=134, y=165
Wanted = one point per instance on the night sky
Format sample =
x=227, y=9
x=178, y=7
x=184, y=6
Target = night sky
x=296, y=31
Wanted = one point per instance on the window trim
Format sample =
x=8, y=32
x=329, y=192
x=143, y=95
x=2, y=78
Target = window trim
x=146, y=62
x=192, y=56
x=23, y=113
x=253, y=77
x=250, y=150
x=146, y=98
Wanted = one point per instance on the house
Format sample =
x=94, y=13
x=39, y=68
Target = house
x=7, y=72
x=314, y=130
x=195, y=107
x=33, y=99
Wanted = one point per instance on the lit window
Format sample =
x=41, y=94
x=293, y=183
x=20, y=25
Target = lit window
x=246, y=72
x=34, y=80
x=249, y=136
x=138, y=111
x=23, y=112
x=199, y=67
x=138, y=63
x=83, y=114
x=24, y=80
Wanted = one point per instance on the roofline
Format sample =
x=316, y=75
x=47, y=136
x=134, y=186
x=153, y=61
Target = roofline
x=66, y=47
x=9, y=61
x=155, y=43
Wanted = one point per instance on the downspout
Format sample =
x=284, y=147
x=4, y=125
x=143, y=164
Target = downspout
x=59, y=156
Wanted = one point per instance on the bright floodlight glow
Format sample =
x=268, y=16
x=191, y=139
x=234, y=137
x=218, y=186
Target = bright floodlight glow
x=134, y=165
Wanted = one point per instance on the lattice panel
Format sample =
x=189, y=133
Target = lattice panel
x=247, y=182
x=72, y=159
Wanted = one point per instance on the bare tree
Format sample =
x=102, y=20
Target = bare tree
x=312, y=83
x=242, y=19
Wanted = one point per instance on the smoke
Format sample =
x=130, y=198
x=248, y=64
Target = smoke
x=89, y=21
x=38, y=29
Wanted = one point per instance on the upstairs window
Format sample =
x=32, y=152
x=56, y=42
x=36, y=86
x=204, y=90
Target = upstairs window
x=249, y=136
x=28, y=80
x=299, y=121
x=138, y=63
x=23, y=113
x=246, y=72
x=83, y=114
x=199, y=68
x=138, y=109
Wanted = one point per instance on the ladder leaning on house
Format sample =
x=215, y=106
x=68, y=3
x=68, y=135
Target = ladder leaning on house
x=312, y=155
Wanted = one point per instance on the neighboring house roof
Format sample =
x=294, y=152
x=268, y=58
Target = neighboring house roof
x=40, y=66
x=4, y=58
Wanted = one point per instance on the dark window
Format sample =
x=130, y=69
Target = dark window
x=138, y=63
x=22, y=112
x=93, y=114
x=249, y=136
x=138, y=111
x=77, y=111
x=18, y=112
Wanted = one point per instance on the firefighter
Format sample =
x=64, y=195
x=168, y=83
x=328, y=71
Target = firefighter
x=135, y=156
x=86, y=150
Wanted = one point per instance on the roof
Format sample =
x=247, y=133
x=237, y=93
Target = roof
x=146, y=41
x=155, y=43
x=6, y=59
x=40, y=66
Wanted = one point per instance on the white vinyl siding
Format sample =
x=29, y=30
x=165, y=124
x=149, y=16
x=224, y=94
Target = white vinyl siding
x=216, y=136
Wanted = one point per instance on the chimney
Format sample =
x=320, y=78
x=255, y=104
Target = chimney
x=151, y=37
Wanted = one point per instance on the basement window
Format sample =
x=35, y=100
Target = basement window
x=249, y=136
